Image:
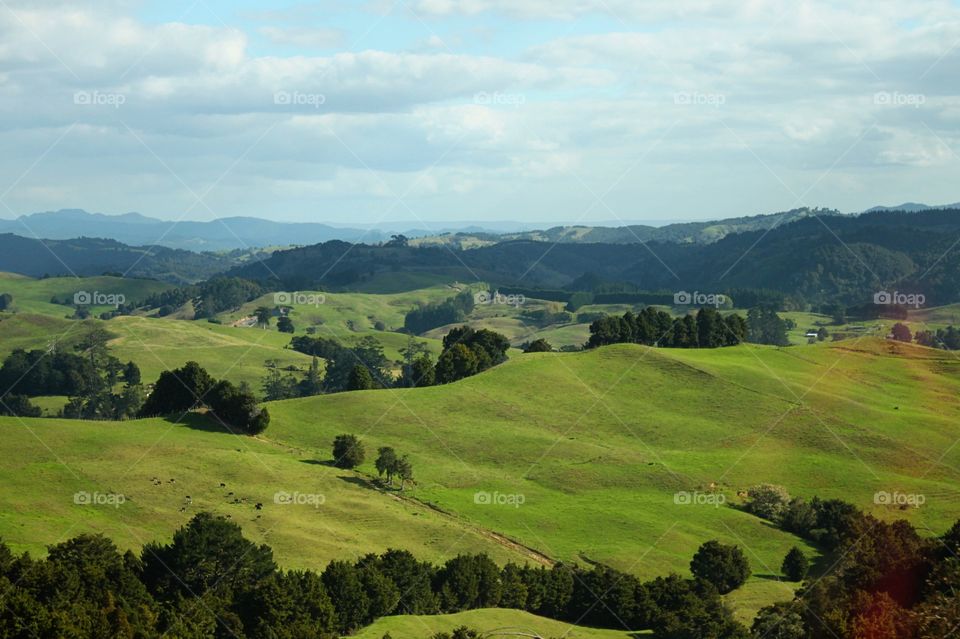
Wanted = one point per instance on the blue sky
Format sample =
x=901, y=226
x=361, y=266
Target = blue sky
x=542, y=111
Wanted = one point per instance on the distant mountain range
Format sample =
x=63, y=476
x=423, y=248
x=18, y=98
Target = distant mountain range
x=223, y=234
x=810, y=259
x=913, y=207
x=680, y=232
x=92, y=256
x=232, y=233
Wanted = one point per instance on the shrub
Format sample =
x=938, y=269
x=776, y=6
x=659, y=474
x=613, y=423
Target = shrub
x=725, y=567
x=795, y=565
x=348, y=451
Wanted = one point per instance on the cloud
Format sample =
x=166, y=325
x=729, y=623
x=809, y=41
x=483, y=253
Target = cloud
x=310, y=38
x=735, y=100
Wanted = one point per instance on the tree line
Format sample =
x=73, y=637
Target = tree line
x=425, y=317
x=886, y=581
x=88, y=377
x=363, y=366
x=210, y=581
x=707, y=328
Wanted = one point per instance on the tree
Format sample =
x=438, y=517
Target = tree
x=456, y=362
x=404, y=471
x=386, y=463
x=725, y=567
x=348, y=451
x=263, y=315
x=766, y=327
x=312, y=383
x=6, y=301
x=538, y=346
x=18, y=406
x=767, y=501
x=779, y=621
x=795, y=565
x=131, y=374
x=277, y=386
x=178, y=391
x=208, y=553
x=416, y=362
x=901, y=333
x=421, y=373
x=285, y=324
x=342, y=582
x=360, y=379
x=237, y=407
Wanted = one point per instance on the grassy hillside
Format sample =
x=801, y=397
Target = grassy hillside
x=47, y=461
x=579, y=456
x=484, y=620
x=33, y=295
x=598, y=443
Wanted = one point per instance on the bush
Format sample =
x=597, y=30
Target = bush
x=768, y=501
x=725, y=567
x=538, y=346
x=795, y=565
x=348, y=451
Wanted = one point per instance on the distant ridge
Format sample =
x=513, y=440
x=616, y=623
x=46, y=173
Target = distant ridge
x=913, y=207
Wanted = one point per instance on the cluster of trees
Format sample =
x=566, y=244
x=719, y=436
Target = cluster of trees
x=191, y=387
x=6, y=301
x=210, y=581
x=886, y=581
x=766, y=327
x=343, y=363
x=426, y=317
x=349, y=452
x=392, y=465
x=707, y=329
x=466, y=352
x=279, y=385
x=947, y=338
x=209, y=298
x=89, y=378
x=538, y=346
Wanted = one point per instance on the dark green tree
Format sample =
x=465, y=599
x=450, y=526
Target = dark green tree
x=285, y=324
x=178, y=391
x=386, y=463
x=795, y=565
x=901, y=332
x=724, y=567
x=348, y=451
x=263, y=315
x=360, y=379
x=538, y=346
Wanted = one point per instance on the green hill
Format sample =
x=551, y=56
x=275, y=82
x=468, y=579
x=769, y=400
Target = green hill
x=490, y=620
x=579, y=457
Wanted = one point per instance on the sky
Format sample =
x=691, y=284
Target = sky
x=538, y=111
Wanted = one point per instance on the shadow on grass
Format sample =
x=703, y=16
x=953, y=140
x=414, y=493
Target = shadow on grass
x=318, y=462
x=358, y=481
x=200, y=421
x=769, y=577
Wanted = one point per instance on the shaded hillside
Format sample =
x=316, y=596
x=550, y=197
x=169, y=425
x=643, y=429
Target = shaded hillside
x=814, y=260
x=87, y=256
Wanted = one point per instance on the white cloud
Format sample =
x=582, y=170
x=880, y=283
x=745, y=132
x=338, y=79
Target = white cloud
x=702, y=92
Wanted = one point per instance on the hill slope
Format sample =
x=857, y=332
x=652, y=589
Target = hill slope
x=611, y=455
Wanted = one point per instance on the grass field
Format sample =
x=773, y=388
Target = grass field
x=47, y=461
x=492, y=620
x=602, y=441
x=579, y=457
x=33, y=295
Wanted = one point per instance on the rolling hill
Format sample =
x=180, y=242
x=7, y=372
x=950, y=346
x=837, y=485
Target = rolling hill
x=581, y=457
